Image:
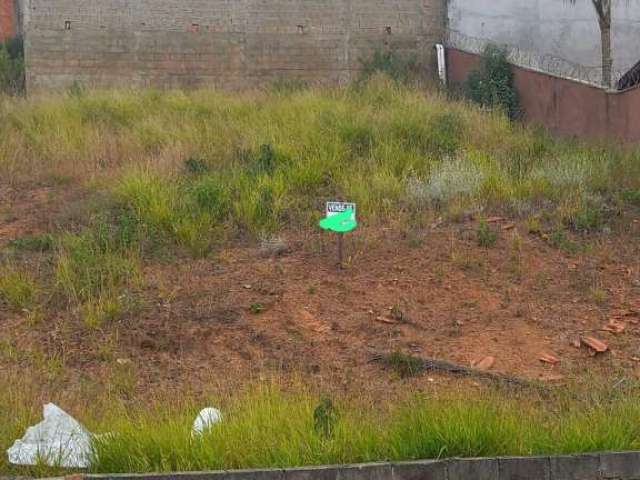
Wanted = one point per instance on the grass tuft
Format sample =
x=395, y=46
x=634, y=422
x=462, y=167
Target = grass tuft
x=17, y=289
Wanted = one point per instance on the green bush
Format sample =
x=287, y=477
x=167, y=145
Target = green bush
x=491, y=85
x=12, y=80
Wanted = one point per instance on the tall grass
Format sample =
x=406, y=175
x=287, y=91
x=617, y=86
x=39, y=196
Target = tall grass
x=272, y=426
x=272, y=157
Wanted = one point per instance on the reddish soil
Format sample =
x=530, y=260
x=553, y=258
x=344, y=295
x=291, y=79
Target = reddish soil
x=443, y=298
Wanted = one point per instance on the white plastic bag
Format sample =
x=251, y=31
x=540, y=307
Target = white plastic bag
x=59, y=440
x=206, y=419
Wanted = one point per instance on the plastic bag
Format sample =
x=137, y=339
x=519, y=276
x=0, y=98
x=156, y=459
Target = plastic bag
x=205, y=420
x=59, y=440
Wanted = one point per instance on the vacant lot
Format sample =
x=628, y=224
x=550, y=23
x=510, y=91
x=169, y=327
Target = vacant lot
x=161, y=248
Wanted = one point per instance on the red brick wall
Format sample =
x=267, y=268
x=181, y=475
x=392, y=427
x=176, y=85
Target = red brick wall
x=7, y=19
x=563, y=106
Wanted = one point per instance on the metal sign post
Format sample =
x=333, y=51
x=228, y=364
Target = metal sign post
x=340, y=218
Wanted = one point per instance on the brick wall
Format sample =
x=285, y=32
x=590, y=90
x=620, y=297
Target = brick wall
x=230, y=43
x=7, y=19
x=564, y=106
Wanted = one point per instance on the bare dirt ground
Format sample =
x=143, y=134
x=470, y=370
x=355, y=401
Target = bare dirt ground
x=242, y=314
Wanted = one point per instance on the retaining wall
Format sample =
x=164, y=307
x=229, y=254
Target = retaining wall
x=230, y=43
x=618, y=466
x=564, y=106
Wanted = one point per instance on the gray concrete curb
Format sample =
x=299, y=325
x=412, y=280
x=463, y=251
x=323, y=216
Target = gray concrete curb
x=593, y=466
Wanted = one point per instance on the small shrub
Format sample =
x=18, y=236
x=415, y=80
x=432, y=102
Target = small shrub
x=485, y=235
x=491, y=85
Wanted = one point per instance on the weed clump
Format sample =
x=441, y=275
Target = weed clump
x=486, y=235
x=324, y=418
x=17, y=289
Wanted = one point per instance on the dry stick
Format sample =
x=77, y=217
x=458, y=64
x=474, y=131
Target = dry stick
x=429, y=364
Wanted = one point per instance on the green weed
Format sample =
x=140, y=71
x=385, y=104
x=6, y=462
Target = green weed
x=486, y=235
x=560, y=240
x=256, y=308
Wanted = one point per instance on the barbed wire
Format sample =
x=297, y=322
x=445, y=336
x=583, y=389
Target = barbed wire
x=547, y=63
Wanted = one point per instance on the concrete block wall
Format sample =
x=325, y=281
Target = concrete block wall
x=618, y=466
x=229, y=43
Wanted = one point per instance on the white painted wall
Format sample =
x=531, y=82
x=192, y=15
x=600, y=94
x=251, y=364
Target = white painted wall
x=550, y=35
